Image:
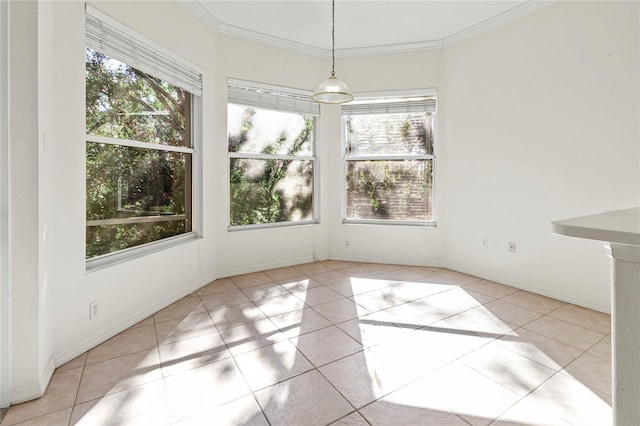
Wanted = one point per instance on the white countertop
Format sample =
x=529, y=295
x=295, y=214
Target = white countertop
x=618, y=226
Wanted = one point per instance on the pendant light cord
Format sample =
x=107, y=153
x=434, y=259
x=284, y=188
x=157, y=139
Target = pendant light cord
x=333, y=38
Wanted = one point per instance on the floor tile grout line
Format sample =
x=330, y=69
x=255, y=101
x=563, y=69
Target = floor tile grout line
x=610, y=393
x=120, y=356
x=555, y=373
x=160, y=366
x=87, y=363
x=160, y=379
x=298, y=352
x=510, y=390
x=565, y=343
x=596, y=344
x=336, y=324
x=533, y=360
x=253, y=393
x=414, y=380
x=339, y=393
x=562, y=304
x=544, y=314
x=315, y=368
x=423, y=375
x=40, y=416
x=75, y=399
x=233, y=359
x=588, y=328
x=347, y=415
x=364, y=348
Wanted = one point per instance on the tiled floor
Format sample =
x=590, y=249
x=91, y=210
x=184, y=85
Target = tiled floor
x=353, y=344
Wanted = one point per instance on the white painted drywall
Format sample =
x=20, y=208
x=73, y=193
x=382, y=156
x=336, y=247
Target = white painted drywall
x=541, y=123
x=128, y=291
x=253, y=250
x=5, y=384
x=538, y=120
x=50, y=288
x=26, y=340
x=47, y=194
x=387, y=244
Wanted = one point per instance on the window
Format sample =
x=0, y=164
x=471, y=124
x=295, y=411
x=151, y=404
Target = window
x=139, y=143
x=272, y=162
x=389, y=159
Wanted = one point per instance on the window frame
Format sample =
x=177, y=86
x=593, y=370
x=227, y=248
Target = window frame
x=194, y=78
x=346, y=157
x=130, y=253
x=259, y=87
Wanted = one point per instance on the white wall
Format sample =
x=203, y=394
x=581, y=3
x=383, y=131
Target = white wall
x=129, y=291
x=254, y=250
x=51, y=289
x=28, y=370
x=407, y=245
x=5, y=397
x=538, y=120
x=251, y=250
x=541, y=123
x=46, y=191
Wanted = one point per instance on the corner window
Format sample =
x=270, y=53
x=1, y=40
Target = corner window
x=272, y=162
x=139, y=152
x=389, y=160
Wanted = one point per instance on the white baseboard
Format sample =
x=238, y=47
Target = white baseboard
x=299, y=261
x=521, y=285
x=487, y=275
x=34, y=390
x=76, y=350
x=71, y=353
x=27, y=392
x=247, y=269
x=408, y=261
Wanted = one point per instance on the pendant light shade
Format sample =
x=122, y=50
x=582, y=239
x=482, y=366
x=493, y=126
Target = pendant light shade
x=332, y=90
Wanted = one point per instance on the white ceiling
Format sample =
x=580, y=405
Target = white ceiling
x=362, y=26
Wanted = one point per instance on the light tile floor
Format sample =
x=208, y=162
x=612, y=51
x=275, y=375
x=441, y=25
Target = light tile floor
x=343, y=343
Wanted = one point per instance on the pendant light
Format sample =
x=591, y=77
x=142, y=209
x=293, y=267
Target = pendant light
x=332, y=90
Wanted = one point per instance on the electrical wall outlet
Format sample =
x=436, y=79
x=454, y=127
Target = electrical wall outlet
x=346, y=243
x=94, y=309
x=484, y=241
x=512, y=246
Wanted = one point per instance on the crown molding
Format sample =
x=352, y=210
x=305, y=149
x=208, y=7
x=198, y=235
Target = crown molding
x=196, y=8
x=388, y=48
x=208, y=18
x=273, y=41
x=496, y=21
x=202, y=13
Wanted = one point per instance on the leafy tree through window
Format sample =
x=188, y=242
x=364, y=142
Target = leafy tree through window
x=272, y=165
x=139, y=157
x=389, y=160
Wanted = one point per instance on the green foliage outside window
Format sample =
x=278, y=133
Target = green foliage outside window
x=270, y=190
x=385, y=185
x=135, y=195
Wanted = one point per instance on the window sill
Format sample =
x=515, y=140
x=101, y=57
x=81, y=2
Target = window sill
x=258, y=226
x=390, y=222
x=126, y=255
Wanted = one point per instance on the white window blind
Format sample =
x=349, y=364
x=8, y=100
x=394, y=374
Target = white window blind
x=108, y=36
x=271, y=97
x=396, y=105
